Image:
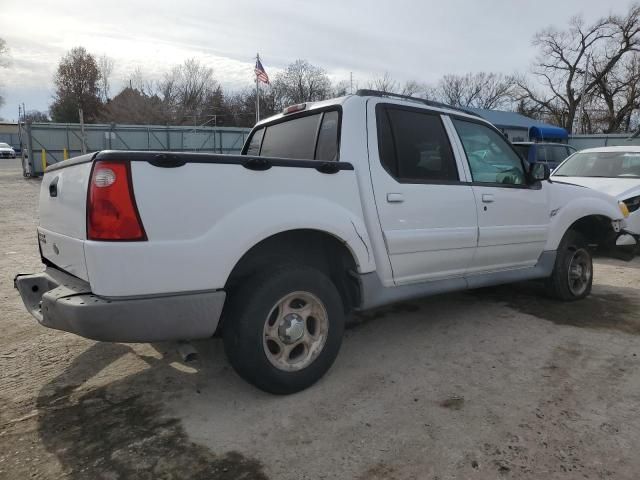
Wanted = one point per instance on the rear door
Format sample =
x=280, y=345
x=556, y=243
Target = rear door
x=513, y=217
x=426, y=211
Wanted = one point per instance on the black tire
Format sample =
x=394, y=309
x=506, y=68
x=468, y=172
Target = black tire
x=248, y=309
x=563, y=284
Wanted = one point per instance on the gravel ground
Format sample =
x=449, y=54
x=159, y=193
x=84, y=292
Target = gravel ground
x=495, y=383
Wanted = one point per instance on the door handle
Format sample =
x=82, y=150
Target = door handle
x=53, y=187
x=395, y=198
x=487, y=198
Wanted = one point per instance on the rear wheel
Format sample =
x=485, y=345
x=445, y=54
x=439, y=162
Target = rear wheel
x=572, y=275
x=283, y=328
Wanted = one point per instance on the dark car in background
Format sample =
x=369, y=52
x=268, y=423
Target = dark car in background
x=553, y=154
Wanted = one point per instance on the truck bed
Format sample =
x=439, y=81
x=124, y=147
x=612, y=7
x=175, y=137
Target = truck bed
x=193, y=206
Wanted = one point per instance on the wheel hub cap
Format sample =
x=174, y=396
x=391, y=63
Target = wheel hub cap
x=291, y=328
x=295, y=331
x=579, y=272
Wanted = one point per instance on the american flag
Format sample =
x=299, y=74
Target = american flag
x=260, y=73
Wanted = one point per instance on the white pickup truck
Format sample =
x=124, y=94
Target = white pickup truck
x=335, y=206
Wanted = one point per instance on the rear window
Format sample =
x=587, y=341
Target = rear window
x=311, y=137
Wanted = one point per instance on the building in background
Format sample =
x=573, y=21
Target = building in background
x=519, y=128
x=9, y=134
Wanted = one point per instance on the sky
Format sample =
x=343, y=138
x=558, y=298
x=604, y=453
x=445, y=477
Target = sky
x=411, y=40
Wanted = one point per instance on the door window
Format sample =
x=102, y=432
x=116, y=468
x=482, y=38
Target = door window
x=414, y=146
x=491, y=159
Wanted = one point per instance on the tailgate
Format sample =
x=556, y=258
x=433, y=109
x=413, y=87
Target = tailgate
x=62, y=208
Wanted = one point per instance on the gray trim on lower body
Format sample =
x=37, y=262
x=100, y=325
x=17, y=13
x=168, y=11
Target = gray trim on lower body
x=61, y=301
x=374, y=294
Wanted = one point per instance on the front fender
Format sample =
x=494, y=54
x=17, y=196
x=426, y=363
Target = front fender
x=566, y=211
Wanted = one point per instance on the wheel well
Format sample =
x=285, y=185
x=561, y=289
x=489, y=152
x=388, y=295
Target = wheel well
x=596, y=229
x=314, y=248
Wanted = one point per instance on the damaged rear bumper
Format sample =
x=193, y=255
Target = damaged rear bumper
x=61, y=301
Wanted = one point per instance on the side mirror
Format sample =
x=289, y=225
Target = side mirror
x=539, y=171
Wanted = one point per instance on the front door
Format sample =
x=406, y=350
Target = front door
x=427, y=214
x=513, y=217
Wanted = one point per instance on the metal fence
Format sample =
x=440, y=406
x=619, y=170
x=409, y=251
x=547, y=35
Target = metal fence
x=49, y=143
x=10, y=138
x=603, y=140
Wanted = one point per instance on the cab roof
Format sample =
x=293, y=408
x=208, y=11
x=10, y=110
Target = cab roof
x=396, y=98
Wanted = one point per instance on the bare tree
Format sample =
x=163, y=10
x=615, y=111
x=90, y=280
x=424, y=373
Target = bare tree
x=616, y=96
x=341, y=88
x=141, y=81
x=36, y=116
x=413, y=88
x=76, y=83
x=185, y=89
x=105, y=66
x=480, y=90
x=386, y=83
x=239, y=109
x=564, y=64
x=301, y=82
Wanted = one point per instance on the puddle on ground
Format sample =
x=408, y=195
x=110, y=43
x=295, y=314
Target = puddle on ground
x=361, y=318
x=101, y=435
x=601, y=310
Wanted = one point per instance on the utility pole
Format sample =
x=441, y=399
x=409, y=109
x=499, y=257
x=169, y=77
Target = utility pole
x=257, y=91
x=84, y=143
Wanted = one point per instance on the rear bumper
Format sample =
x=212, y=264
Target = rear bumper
x=61, y=301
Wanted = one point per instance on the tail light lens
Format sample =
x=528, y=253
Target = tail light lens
x=112, y=214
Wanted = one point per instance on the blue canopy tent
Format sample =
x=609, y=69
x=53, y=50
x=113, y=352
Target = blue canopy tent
x=547, y=132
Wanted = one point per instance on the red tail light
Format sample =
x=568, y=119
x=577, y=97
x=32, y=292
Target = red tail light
x=112, y=213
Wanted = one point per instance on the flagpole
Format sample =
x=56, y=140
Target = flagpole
x=257, y=92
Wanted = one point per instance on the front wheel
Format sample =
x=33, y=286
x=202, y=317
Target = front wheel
x=572, y=275
x=283, y=328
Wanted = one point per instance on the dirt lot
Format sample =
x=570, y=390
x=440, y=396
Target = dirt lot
x=496, y=383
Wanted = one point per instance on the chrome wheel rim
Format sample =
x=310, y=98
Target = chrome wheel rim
x=295, y=331
x=580, y=271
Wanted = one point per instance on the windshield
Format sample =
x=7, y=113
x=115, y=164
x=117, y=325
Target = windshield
x=601, y=164
x=4, y=145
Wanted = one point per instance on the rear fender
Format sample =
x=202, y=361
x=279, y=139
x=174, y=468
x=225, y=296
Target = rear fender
x=294, y=212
